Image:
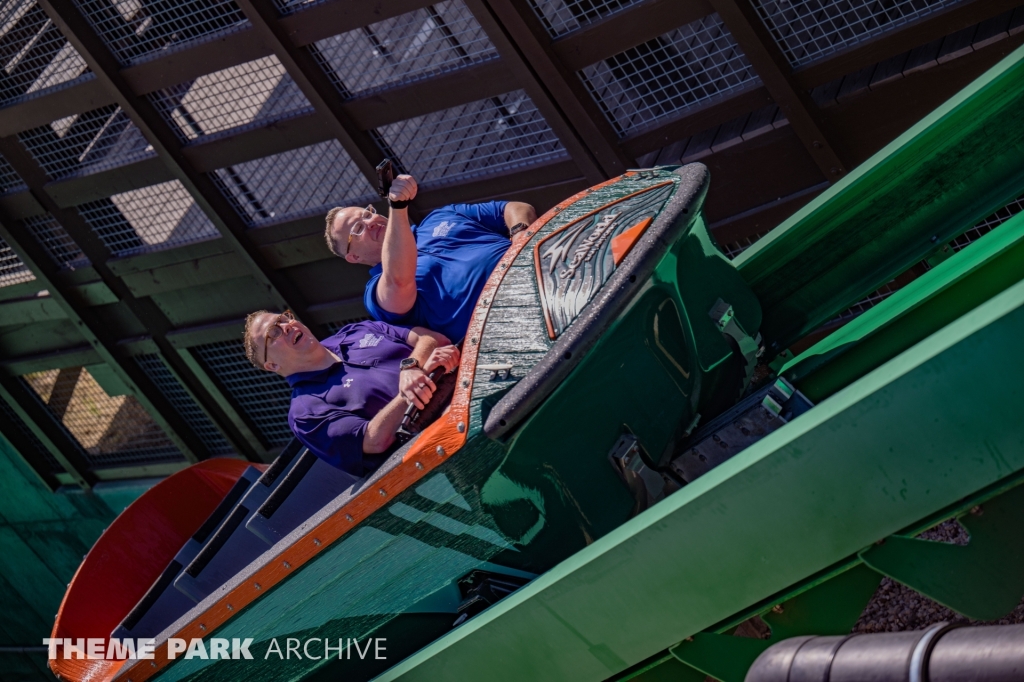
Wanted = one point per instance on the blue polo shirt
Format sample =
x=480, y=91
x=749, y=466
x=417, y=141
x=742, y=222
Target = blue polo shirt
x=331, y=407
x=458, y=247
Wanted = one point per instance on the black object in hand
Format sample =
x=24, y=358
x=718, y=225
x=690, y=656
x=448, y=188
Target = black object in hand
x=385, y=176
x=416, y=420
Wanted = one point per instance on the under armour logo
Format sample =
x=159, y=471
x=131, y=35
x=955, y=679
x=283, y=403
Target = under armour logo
x=370, y=340
x=443, y=229
x=346, y=383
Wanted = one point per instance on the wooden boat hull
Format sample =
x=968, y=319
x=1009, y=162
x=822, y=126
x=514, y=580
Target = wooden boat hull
x=613, y=314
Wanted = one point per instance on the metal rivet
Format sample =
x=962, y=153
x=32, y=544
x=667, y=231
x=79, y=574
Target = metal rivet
x=202, y=627
x=258, y=586
x=382, y=493
x=529, y=233
x=152, y=664
x=419, y=465
x=230, y=607
x=976, y=510
x=440, y=451
x=473, y=340
x=316, y=541
x=461, y=427
x=777, y=608
x=465, y=383
x=286, y=564
x=348, y=517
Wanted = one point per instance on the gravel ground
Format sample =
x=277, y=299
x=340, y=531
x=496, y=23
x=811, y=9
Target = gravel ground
x=897, y=608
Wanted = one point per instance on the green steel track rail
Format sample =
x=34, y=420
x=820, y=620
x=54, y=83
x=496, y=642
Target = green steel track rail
x=914, y=440
x=919, y=423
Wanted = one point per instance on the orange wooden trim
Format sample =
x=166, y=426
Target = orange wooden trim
x=536, y=247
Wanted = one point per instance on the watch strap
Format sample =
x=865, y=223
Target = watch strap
x=397, y=204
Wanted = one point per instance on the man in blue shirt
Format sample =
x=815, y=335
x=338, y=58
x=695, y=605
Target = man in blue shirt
x=350, y=390
x=429, y=274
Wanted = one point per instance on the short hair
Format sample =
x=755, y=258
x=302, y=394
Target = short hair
x=251, y=345
x=328, y=237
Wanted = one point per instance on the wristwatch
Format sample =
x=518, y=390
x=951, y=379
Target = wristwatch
x=409, y=363
x=516, y=229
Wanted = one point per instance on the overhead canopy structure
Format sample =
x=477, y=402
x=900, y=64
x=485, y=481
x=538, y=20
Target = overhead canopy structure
x=165, y=166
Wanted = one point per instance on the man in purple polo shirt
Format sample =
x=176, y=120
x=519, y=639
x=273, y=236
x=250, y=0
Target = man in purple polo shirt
x=350, y=390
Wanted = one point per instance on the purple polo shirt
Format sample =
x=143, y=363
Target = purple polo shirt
x=331, y=407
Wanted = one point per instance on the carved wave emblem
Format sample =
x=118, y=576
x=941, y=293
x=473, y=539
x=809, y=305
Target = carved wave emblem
x=575, y=261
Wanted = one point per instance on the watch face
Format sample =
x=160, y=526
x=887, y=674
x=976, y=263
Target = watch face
x=409, y=363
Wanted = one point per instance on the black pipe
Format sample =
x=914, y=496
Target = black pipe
x=942, y=653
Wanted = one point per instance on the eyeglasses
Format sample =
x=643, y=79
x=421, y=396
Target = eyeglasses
x=369, y=213
x=274, y=331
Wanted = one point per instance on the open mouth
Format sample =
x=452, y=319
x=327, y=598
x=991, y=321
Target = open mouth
x=298, y=335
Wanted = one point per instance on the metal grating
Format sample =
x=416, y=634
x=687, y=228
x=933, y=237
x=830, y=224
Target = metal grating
x=668, y=74
x=733, y=249
x=419, y=44
x=157, y=370
x=245, y=95
x=263, y=396
x=57, y=242
x=87, y=143
x=12, y=270
x=135, y=29
x=293, y=184
x=564, y=16
x=52, y=465
x=10, y=181
x=807, y=30
x=988, y=224
x=111, y=430
x=36, y=56
x=148, y=219
x=483, y=137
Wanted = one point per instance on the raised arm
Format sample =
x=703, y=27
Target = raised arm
x=396, y=288
x=517, y=212
x=414, y=386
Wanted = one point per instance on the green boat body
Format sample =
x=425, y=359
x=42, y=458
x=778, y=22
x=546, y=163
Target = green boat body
x=649, y=356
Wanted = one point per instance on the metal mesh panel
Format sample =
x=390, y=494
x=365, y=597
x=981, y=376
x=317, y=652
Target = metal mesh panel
x=988, y=224
x=12, y=270
x=263, y=396
x=487, y=136
x=868, y=302
x=57, y=242
x=133, y=29
x=674, y=71
x=10, y=181
x=36, y=57
x=295, y=183
x=415, y=45
x=112, y=430
x=244, y=95
x=157, y=370
x=52, y=465
x=563, y=16
x=733, y=249
x=807, y=30
x=87, y=143
x=148, y=219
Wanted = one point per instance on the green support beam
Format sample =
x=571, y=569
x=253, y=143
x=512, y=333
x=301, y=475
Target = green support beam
x=982, y=579
x=953, y=168
x=901, y=444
